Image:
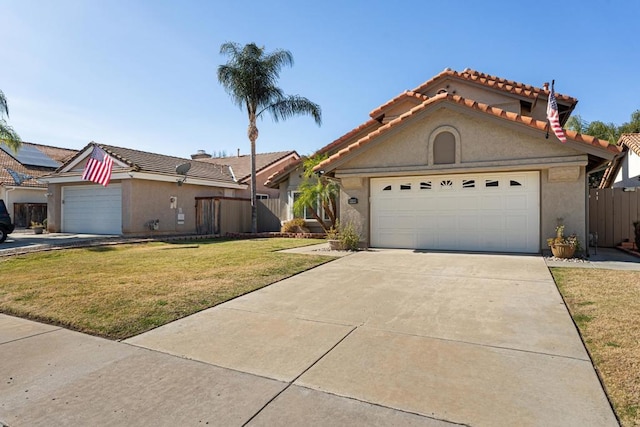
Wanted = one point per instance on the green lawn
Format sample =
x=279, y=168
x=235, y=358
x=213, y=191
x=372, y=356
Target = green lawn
x=123, y=290
x=605, y=305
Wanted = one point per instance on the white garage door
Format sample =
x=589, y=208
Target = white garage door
x=92, y=209
x=476, y=212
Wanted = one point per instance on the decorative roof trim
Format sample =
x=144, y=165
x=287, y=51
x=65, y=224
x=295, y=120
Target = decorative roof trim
x=473, y=105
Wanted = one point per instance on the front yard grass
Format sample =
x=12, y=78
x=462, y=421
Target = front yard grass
x=605, y=304
x=120, y=291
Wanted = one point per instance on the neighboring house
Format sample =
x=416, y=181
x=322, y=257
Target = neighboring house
x=266, y=165
x=25, y=197
x=145, y=194
x=462, y=162
x=624, y=170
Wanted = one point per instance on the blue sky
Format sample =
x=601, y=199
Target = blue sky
x=142, y=73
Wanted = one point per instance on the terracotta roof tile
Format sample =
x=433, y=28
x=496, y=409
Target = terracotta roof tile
x=468, y=103
x=631, y=140
x=499, y=83
x=627, y=141
x=7, y=161
x=415, y=96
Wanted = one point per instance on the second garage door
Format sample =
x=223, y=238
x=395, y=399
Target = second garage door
x=496, y=212
x=92, y=209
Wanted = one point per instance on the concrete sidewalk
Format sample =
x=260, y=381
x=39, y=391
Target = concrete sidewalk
x=390, y=337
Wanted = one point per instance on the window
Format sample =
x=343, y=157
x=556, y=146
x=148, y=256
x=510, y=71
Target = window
x=262, y=196
x=446, y=184
x=387, y=188
x=444, y=146
x=444, y=149
x=514, y=183
x=468, y=183
x=405, y=187
x=425, y=185
x=307, y=215
x=491, y=183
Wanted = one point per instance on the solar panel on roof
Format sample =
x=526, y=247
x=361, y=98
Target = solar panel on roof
x=32, y=156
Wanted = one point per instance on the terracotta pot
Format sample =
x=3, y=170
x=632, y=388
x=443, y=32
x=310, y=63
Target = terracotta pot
x=560, y=250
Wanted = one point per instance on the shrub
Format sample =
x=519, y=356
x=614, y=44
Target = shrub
x=295, y=225
x=349, y=238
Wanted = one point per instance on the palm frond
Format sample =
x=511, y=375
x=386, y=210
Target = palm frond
x=4, y=107
x=8, y=136
x=294, y=105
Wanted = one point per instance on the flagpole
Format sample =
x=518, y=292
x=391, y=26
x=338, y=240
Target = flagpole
x=553, y=82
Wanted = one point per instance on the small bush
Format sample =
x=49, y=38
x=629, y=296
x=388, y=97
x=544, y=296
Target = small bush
x=295, y=225
x=349, y=238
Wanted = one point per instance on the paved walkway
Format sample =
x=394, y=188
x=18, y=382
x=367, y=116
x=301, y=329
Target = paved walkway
x=390, y=337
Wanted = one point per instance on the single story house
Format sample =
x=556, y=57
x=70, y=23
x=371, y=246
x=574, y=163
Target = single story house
x=266, y=165
x=25, y=197
x=465, y=161
x=624, y=171
x=148, y=193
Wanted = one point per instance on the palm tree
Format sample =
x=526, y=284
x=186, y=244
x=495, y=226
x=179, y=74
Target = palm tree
x=7, y=134
x=317, y=194
x=250, y=77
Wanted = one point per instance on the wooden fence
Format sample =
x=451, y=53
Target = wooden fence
x=221, y=215
x=612, y=212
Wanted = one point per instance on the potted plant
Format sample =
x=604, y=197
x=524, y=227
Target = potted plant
x=561, y=246
x=343, y=238
x=37, y=227
x=333, y=238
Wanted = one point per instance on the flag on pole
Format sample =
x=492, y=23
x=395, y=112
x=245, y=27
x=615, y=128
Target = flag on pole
x=554, y=117
x=98, y=167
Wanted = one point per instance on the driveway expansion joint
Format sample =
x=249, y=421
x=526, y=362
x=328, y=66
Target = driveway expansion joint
x=297, y=317
x=477, y=344
x=32, y=336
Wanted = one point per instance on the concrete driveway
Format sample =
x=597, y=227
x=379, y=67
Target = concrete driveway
x=390, y=337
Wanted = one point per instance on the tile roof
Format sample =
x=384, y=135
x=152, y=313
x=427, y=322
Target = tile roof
x=495, y=82
x=142, y=161
x=416, y=97
x=627, y=141
x=241, y=165
x=330, y=148
x=466, y=103
x=8, y=162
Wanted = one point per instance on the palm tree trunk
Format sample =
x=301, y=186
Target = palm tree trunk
x=253, y=136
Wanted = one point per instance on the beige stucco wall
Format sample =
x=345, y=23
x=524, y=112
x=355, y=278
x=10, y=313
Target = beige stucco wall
x=485, y=145
x=143, y=201
x=562, y=201
x=481, y=140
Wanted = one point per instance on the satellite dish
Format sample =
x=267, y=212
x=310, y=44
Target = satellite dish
x=183, y=168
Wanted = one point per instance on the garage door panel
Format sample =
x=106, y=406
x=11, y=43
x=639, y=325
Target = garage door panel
x=92, y=209
x=480, y=212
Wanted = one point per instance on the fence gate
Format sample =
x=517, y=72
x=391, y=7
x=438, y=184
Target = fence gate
x=207, y=216
x=612, y=212
x=220, y=215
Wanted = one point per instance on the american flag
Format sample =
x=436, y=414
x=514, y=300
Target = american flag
x=98, y=167
x=554, y=118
